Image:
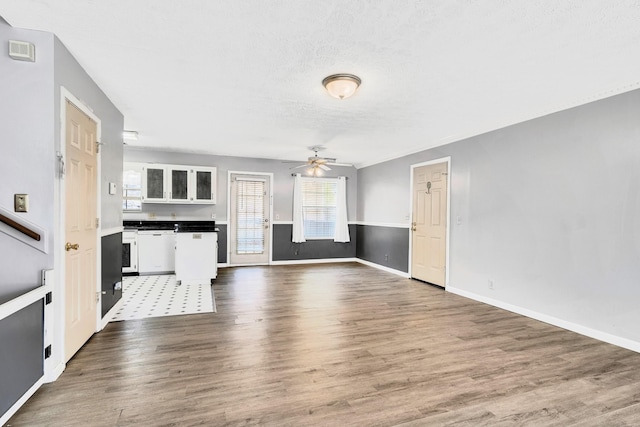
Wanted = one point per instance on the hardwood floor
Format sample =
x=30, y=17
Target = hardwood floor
x=339, y=344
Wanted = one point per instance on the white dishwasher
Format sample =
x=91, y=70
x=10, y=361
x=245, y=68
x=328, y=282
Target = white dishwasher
x=156, y=251
x=196, y=256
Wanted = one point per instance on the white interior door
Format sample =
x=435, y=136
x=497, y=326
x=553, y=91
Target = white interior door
x=429, y=226
x=80, y=229
x=249, y=222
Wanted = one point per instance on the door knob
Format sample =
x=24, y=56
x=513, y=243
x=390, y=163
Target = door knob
x=413, y=226
x=69, y=246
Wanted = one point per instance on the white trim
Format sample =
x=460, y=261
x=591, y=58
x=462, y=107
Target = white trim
x=58, y=334
x=112, y=312
x=383, y=268
x=564, y=324
x=54, y=372
x=446, y=160
x=13, y=306
x=223, y=222
x=112, y=230
x=271, y=182
x=14, y=408
x=314, y=261
x=223, y=265
x=383, y=224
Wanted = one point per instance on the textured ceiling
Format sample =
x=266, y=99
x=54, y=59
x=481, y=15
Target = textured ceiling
x=243, y=78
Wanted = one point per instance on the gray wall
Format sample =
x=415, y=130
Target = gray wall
x=282, y=185
x=549, y=210
x=27, y=160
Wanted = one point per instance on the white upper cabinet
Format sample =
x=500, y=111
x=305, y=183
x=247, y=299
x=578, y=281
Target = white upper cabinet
x=154, y=183
x=203, y=185
x=178, y=184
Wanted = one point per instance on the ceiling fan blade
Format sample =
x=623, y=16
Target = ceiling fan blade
x=323, y=167
x=298, y=167
x=339, y=164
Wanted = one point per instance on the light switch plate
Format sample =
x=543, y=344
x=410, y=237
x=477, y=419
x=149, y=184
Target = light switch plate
x=21, y=202
x=112, y=188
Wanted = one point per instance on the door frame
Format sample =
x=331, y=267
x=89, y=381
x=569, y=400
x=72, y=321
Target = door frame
x=270, y=177
x=55, y=365
x=446, y=160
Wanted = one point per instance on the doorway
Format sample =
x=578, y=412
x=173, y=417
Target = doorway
x=429, y=226
x=81, y=229
x=249, y=218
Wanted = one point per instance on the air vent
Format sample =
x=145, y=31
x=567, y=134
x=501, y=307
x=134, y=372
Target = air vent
x=22, y=51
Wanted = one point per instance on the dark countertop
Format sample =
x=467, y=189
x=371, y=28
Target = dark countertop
x=179, y=226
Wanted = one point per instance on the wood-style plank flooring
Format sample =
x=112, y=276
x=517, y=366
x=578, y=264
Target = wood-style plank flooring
x=339, y=345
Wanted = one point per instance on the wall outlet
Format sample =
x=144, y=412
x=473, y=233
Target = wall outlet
x=21, y=202
x=386, y=257
x=152, y=215
x=277, y=217
x=490, y=284
x=213, y=215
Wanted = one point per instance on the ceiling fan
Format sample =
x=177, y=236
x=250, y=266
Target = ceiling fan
x=316, y=165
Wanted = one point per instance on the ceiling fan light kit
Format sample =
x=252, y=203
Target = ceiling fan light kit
x=341, y=86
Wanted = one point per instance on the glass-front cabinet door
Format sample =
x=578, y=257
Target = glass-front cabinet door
x=154, y=183
x=179, y=184
x=203, y=185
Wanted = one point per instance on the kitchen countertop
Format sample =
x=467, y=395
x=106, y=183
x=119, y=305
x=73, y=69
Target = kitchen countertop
x=176, y=225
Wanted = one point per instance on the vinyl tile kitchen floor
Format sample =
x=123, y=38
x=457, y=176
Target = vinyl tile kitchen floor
x=156, y=296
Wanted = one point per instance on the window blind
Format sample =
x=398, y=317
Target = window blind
x=250, y=216
x=319, y=208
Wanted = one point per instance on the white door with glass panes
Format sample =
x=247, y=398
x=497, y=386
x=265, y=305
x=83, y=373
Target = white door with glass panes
x=249, y=222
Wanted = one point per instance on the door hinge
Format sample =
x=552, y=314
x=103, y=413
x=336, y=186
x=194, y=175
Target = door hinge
x=97, y=222
x=48, y=298
x=98, y=144
x=47, y=351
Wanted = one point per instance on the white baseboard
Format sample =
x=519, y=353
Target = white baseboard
x=313, y=261
x=55, y=373
x=112, y=312
x=5, y=417
x=383, y=268
x=564, y=324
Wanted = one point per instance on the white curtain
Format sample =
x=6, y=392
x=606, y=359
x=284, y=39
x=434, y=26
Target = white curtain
x=342, y=225
x=298, y=221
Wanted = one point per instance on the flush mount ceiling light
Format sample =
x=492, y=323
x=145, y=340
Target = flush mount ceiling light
x=130, y=135
x=341, y=86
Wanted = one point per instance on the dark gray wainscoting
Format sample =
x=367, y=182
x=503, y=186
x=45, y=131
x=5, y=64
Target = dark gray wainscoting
x=387, y=246
x=285, y=250
x=222, y=243
x=21, y=353
x=111, y=270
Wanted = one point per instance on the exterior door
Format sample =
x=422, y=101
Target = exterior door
x=249, y=223
x=80, y=230
x=429, y=226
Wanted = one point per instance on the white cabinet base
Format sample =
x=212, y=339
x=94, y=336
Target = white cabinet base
x=156, y=252
x=196, y=257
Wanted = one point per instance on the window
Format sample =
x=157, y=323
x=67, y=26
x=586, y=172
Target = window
x=131, y=190
x=319, y=208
